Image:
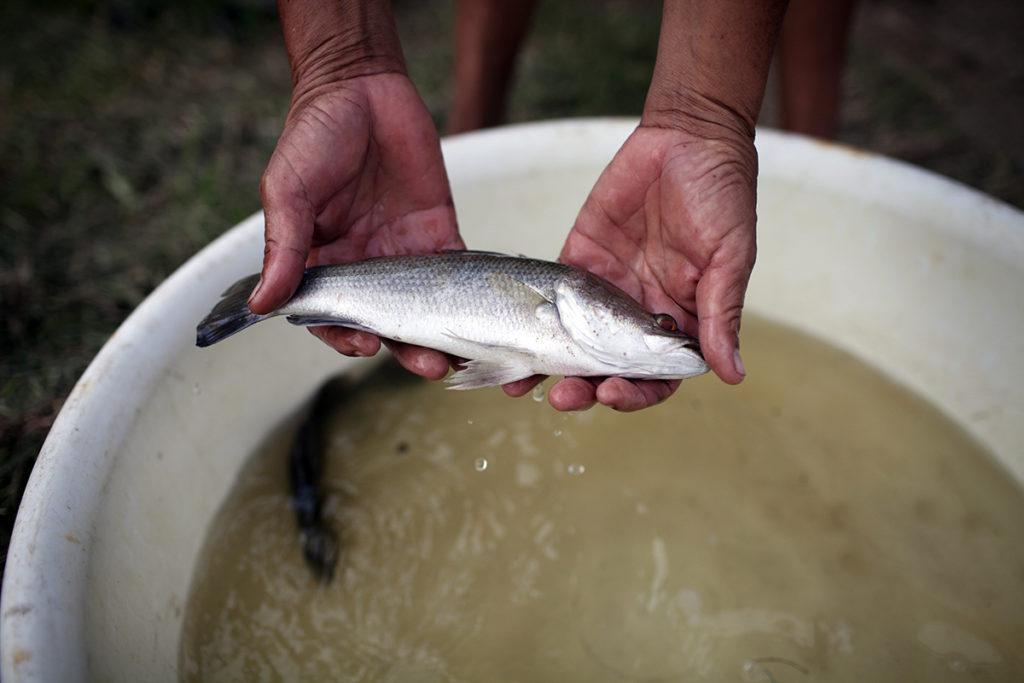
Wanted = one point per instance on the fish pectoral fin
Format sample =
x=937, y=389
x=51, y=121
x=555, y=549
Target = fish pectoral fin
x=320, y=321
x=487, y=373
x=505, y=285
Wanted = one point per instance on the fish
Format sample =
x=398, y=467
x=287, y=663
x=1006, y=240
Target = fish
x=320, y=543
x=508, y=317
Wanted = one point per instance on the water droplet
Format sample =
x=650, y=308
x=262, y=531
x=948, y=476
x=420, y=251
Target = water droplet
x=469, y=422
x=538, y=393
x=558, y=432
x=576, y=469
x=480, y=464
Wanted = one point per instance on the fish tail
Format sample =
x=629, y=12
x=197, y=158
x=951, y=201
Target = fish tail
x=230, y=315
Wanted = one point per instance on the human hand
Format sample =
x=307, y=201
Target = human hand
x=357, y=173
x=672, y=222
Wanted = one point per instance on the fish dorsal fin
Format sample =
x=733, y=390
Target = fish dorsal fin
x=590, y=326
x=481, y=252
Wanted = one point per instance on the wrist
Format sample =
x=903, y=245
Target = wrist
x=697, y=114
x=331, y=41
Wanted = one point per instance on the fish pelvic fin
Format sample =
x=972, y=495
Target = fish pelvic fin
x=513, y=363
x=487, y=373
x=230, y=315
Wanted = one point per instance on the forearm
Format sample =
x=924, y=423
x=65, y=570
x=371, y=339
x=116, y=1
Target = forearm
x=332, y=40
x=713, y=61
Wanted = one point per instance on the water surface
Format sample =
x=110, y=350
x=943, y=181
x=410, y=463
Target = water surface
x=816, y=523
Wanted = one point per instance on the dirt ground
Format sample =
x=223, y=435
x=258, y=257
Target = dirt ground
x=940, y=84
x=133, y=133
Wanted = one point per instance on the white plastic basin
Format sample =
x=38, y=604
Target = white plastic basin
x=919, y=276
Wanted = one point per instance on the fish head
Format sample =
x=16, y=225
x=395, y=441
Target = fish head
x=613, y=329
x=666, y=350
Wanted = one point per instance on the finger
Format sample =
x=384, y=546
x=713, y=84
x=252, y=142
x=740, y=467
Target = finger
x=572, y=393
x=523, y=386
x=719, y=322
x=288, y=232
x=627, y=396
x=347, y=341
x=720, y=296
x=427, y=363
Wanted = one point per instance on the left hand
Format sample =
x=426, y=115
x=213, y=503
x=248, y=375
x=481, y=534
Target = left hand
x=672, y=222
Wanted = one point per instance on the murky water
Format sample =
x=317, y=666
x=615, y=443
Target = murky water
x=817, y=523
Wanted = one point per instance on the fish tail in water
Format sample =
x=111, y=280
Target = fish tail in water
x=230, y=315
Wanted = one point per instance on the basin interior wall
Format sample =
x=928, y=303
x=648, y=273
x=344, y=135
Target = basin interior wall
x=916, y=275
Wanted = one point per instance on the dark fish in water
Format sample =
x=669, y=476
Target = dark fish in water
x=320, y=544
x=510, y=317
x=321, y=547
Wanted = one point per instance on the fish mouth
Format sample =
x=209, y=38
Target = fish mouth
x=694, y=345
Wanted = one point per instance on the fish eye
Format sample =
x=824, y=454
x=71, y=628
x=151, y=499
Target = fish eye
x=666, y=322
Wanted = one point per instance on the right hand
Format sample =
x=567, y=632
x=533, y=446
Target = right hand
x=672, y=222
x=357, y=173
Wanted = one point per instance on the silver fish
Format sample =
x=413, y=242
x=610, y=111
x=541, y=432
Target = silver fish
x=510, y=317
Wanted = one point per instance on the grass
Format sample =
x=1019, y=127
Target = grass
x=133, y=133
x=129, y=140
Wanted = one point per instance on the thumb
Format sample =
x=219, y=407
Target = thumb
x=719, y=307
x=288, y=231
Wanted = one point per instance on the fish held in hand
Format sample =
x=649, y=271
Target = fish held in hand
x=510, y=317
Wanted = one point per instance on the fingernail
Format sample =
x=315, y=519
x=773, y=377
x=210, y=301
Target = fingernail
x=738, y=362
x=255, y=291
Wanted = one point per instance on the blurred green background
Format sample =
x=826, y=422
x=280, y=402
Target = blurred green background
x=133, y=133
